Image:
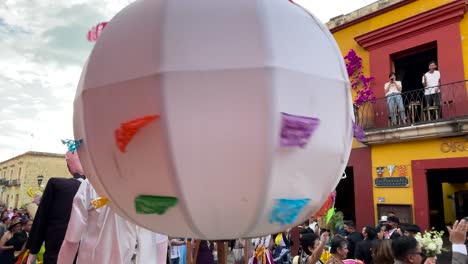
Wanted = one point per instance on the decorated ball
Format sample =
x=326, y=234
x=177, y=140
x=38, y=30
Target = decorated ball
x=214, y=119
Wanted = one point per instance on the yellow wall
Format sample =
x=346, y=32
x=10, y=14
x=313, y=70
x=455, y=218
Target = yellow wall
x=449, y=204
x=402, y=154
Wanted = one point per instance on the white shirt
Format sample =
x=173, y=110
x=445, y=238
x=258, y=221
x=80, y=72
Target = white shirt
x=102, y=235
x=392, y=88
x=152, y=247
x=432, y=82
x=174, y=249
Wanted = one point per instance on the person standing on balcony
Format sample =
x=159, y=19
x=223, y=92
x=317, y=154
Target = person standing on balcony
x=394, y=99
x=431, y=82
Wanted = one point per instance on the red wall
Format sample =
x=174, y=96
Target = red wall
x=450, y=60
x=361, y=162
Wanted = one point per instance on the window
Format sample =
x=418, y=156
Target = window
x=410, y=65
x=11, y=175
x=19, y=173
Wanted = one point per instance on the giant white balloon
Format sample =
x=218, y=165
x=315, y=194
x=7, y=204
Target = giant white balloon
x=218, y=80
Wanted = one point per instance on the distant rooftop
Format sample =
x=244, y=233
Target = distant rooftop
x=36, y=153
x=362, y=13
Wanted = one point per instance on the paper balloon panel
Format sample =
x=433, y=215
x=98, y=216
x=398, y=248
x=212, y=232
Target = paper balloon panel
x=217, y=119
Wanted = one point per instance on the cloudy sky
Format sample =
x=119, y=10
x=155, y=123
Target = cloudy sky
x=42, y=49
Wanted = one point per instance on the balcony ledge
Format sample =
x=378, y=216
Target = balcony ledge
x=450, y=128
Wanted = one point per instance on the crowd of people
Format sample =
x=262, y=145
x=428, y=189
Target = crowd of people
x=387, y=243
x=15, y=225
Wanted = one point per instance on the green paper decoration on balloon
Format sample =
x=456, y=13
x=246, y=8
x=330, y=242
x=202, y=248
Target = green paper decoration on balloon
x=150, y=204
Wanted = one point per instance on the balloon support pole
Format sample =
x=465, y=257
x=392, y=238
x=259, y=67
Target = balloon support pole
x=189, y=252
x=246, y=251
x=222, y=252
x=195, y=252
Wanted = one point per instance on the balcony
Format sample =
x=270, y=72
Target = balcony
x=3, y=182
x=415, y=118
x=15, y=182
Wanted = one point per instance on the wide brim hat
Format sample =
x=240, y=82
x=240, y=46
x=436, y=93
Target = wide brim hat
x=14, y=222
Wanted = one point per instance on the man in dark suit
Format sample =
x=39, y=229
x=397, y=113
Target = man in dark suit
x=393, y=223
x=352, y=236
x=363, y=248
x=53, y=214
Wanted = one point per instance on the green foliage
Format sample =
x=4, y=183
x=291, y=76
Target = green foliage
x=336, y=221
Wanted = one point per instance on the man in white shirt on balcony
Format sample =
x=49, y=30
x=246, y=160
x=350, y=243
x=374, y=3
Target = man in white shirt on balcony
x=431, y=82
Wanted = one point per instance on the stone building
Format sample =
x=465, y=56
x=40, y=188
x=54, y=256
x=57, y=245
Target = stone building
x=29, y=171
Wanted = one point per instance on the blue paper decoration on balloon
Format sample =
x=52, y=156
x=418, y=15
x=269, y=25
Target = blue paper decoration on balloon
x=286, y=211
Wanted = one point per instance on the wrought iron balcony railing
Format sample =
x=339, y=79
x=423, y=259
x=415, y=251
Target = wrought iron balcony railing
x=414, y=107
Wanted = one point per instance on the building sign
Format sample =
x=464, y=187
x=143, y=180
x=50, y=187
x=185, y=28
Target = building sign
x=454, y=146
x=391, y=182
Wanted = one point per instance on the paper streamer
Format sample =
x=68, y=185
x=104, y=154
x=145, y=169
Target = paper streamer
x=330, y=214
x=71, y=144
x=286, y=211
x=329, y=203
x=95, y=32
x=297, y=130
x=359, y=133
x=149, y=204
x=99, y=202
x=128, y=130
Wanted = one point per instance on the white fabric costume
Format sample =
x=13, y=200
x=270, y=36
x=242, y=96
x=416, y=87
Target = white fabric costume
x=101, y=235
x=152, y=247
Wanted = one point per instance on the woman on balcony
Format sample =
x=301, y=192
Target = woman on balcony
x=394, y=99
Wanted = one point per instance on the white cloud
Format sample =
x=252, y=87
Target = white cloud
x=42, y=50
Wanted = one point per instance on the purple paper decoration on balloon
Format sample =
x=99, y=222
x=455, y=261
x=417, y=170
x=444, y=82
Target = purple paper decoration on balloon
x=297, y=130
x=359, y=133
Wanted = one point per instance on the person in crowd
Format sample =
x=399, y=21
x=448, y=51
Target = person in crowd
x=174, y=248
x=410, y=230
x=406, y=250
x=363, y=249
x=393, y=223
x=3, y=226
x=11, y=242
x=339, y=250
x=24, y=234
x=312, y=248
x=183, y=253
x=352, y=236
x=432, y=81
x=205, y=252
x=282, y=252
x=394, y=100
x=458, y=239
x=382, y=252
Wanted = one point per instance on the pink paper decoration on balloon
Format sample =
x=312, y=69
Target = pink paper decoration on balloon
x=95, y=32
